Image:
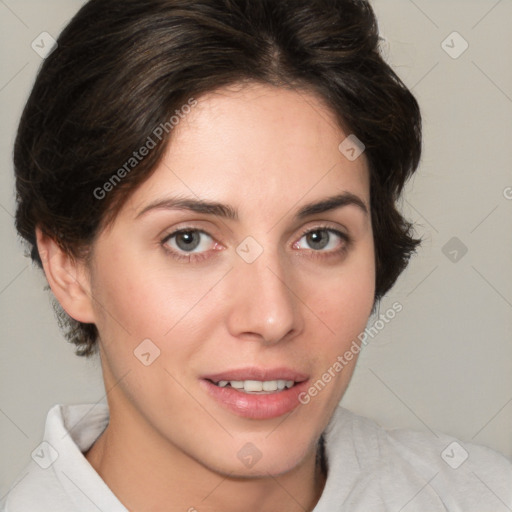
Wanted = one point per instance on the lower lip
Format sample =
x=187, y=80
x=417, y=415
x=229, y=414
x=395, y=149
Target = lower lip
x=256, y=406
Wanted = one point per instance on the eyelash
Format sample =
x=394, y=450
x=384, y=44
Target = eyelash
x=197, y=257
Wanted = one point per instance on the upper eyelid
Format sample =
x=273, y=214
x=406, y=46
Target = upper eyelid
x=202, y=230
x=169, y=234
x=323, y=227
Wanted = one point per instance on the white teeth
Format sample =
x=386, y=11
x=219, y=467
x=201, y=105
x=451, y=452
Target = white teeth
x=253, y=385
x=269, y=385
x=257, y=386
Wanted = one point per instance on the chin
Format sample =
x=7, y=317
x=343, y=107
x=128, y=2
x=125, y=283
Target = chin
x=261, y=458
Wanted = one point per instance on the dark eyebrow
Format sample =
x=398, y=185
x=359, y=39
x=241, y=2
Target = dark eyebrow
x=331, y=203
x=194, y=205
x=228, y=212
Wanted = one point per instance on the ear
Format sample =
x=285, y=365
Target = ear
x=68, y=278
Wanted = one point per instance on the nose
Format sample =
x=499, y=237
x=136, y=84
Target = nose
x=263, y=306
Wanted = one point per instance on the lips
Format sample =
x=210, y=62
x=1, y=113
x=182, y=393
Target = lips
x=256, y=393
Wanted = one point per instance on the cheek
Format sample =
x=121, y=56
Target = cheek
x=344, y=298
x=136, y=299
x=343, y=301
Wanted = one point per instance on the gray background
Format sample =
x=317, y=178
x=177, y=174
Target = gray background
x=445, y=362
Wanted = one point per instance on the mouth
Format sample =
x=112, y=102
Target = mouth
x=256, y=393
x=256, y=386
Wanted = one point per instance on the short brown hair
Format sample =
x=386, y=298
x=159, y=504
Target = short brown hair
x=123, y=67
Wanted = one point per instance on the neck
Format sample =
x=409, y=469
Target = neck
x=147, y=472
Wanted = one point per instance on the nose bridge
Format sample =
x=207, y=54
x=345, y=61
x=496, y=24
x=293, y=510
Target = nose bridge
x=264, y=304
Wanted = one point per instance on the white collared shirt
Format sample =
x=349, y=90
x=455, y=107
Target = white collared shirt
x=370, y=469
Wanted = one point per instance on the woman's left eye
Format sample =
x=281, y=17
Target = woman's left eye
x=322, y=239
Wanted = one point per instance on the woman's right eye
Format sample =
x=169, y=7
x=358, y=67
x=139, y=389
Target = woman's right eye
x=188, y=243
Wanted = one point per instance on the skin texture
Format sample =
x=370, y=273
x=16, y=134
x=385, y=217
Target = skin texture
x=169, y=446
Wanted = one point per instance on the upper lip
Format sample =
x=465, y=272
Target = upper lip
x=255, y=373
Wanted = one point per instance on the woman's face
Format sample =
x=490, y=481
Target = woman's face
x=263, y=292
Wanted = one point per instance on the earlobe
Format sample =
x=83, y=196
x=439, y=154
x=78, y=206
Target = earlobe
x=68, y=278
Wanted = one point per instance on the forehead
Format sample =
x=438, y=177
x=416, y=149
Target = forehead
x=259, y=146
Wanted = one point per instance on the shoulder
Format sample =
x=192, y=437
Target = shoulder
x=58, y=477
x=396, y=463
x=35, y=490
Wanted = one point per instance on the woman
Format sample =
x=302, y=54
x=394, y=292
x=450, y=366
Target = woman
x=210, y=188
